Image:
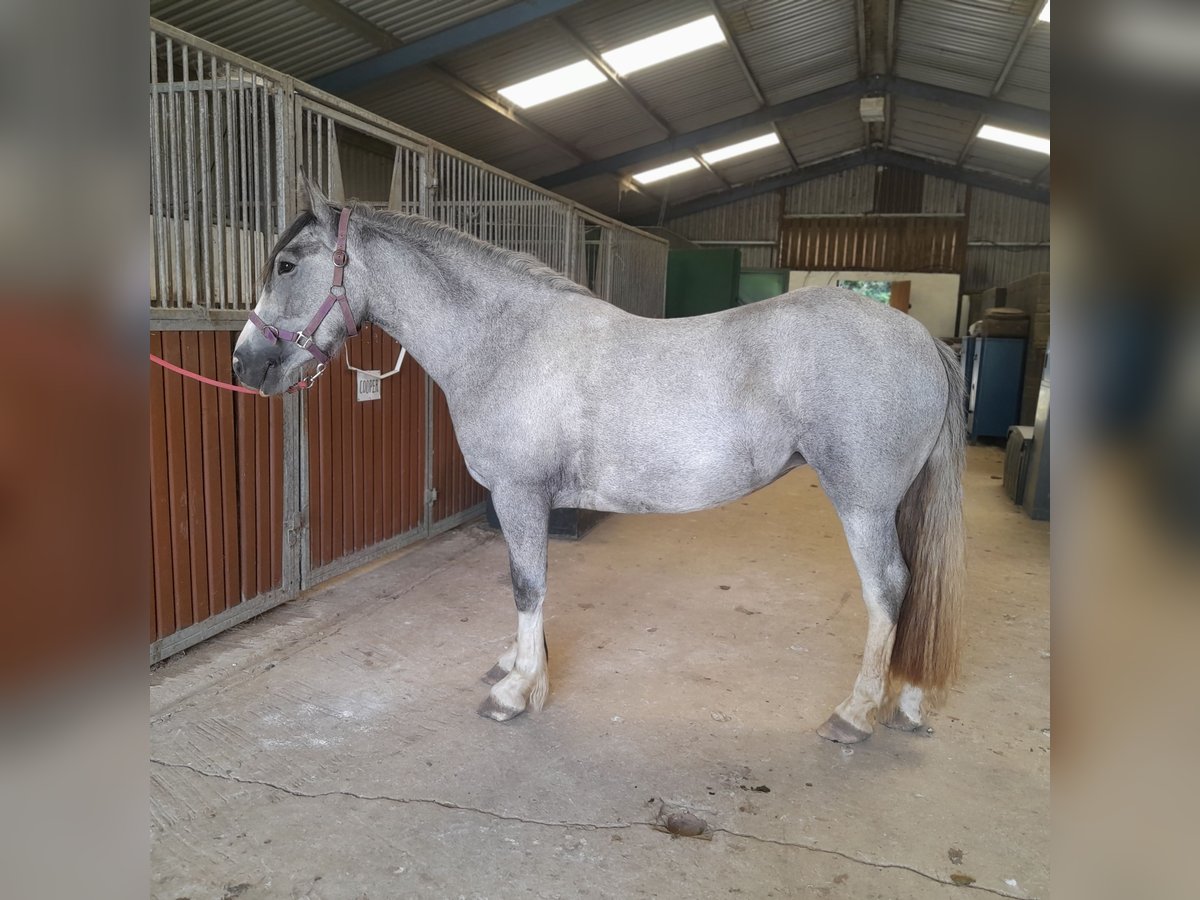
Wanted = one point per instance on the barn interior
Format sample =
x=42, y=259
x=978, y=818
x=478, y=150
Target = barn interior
x=327, y=587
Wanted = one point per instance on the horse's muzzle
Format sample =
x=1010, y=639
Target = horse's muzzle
x=252, y=367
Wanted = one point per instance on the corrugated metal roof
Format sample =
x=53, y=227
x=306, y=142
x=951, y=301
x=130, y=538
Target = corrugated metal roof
x=608, y=25
x=823, y=133
x=409, y=20
x=696, y=90
x=282, y=34
x=930, y=129
x=791, y=48
x=1011, y=161
x=605, y=193
x=961, y=44
x=428, y=106
x=524, y=53
x=795, y=48
x=1029, y=81
x=610, y=122
x=753, y=166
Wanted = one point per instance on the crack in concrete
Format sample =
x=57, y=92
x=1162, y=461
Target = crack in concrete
x=868, y=862
x=444, y=804
x=591, y=826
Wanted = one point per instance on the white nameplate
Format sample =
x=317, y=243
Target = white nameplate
x=368, y=384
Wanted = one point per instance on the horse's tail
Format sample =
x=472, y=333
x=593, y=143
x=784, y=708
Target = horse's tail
x=930, y=525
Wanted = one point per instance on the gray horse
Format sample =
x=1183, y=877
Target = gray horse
x=562, y=400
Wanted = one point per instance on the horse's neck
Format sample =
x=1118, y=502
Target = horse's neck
x=448, y=322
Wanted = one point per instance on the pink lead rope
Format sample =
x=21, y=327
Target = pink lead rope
x=201, y=378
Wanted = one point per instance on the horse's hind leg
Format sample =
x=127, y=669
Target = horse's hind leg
x=875, y=547
x=906, y=716
x=524, y=519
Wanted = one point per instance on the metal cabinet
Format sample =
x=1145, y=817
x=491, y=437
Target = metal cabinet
x=994, y=393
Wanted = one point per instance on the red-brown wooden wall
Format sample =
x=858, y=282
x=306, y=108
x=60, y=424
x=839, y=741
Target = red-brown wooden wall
x=218, y=474
x=366, y=461
x=216, y=498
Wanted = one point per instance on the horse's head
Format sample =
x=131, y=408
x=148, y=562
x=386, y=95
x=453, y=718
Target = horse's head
x=287, y=340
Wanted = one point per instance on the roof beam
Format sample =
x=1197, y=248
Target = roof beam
x=633, y=96
x=979, y=178
x=1026, y=31
x=876, y=31
x=740, y=58
x=468, y=90
x=798, y=176
x=691, y=139
x=975, y=177
x=1001, y=109
x=353, y=22
x=450, y=40
x=611, y=74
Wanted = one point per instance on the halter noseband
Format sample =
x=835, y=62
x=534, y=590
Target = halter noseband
x=337, y=295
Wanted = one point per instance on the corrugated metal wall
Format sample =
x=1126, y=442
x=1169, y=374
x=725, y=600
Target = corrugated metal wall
x=1007, y=237
x=846, y=193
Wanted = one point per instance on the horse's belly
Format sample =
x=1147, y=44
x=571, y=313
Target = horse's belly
x=658, y=487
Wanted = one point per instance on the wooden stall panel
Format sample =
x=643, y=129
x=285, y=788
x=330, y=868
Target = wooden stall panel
x=456, y=490
x=873, y=243
x=216, y=494
x=366, y=459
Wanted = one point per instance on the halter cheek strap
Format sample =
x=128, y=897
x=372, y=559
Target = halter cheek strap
x=336, y=297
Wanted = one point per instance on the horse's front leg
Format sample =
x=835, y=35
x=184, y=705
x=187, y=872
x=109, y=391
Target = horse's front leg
x=524, y=516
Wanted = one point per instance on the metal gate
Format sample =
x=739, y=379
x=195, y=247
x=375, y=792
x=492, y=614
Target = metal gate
x=254, y=500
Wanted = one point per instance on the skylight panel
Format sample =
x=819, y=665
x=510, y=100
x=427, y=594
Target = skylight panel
x=559, y=83
x=769, y=139
x=675, y=168
x=669, y=44
x=1015, y=139
x=1044, y=15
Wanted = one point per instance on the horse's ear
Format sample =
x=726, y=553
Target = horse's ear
x=316, y=200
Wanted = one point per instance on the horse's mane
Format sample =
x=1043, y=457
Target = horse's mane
x=433, y=235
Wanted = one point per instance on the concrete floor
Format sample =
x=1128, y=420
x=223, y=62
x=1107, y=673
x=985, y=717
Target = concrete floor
x=330, y=749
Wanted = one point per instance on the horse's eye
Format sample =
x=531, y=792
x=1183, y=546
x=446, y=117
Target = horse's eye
x=285, y=266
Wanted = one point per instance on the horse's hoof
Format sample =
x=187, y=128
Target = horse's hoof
x=498, y=712
x=838, y=729
x=900, y=721
x=494, y=674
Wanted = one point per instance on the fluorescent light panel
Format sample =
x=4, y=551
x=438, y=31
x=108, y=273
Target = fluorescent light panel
x=1044, y=15
x=558, y=83
x=675, y=168
x=633, y=57
x=769, y=139
x=1015, y=139
x=665, y=45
